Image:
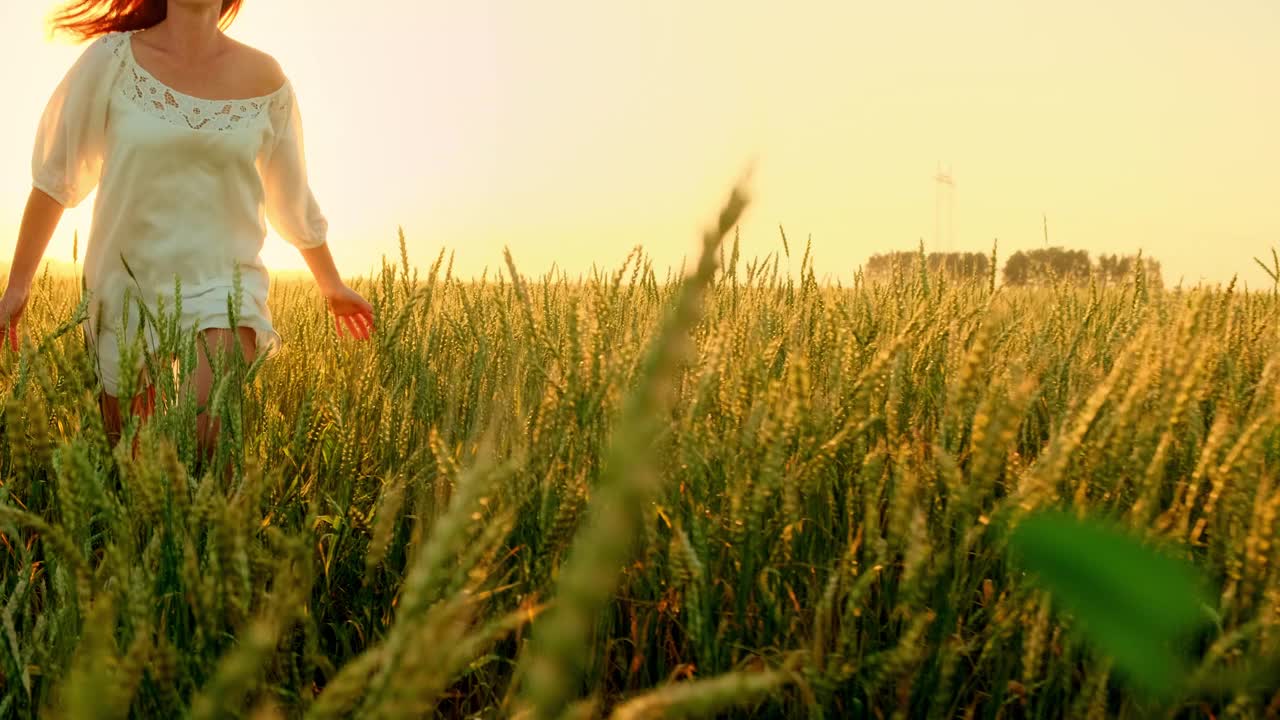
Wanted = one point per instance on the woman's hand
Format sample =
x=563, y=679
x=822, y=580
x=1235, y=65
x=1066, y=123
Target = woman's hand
x=348, y=307
x=38, y=222
x=12, y=305
x=351, y=310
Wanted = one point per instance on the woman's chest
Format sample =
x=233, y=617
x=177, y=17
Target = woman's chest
x=146, y=117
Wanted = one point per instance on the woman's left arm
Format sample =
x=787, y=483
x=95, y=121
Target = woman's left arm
x=293, y=210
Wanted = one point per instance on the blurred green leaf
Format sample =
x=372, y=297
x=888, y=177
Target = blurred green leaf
x=1133, y=602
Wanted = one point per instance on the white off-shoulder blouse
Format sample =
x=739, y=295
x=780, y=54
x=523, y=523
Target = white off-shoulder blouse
x=185, y=189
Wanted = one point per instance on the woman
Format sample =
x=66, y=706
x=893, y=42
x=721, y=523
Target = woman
x=191, y=139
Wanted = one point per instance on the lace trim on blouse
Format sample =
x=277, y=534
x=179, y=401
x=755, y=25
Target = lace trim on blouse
x=158, y=99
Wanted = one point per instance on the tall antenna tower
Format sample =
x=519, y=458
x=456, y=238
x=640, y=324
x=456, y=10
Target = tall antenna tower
x=944, y=226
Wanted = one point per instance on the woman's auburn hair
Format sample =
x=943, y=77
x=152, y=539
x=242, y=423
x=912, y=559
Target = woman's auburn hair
x=88, y=19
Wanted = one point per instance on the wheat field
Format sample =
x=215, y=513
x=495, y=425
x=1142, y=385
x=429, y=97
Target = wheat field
x=629, y=495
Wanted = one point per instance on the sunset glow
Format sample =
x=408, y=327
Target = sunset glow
x=572, y=131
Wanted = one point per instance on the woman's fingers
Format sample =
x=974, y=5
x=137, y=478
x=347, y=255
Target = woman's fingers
x=358, y=324
x=366, y=321
x=13, y=334
x=357, y=331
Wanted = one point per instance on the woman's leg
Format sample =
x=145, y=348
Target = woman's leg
x=111, y=419
x=243, y=340
x=142, y=406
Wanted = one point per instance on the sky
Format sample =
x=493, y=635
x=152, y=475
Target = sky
x=571, y=130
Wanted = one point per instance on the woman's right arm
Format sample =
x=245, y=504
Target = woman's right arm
x=65, y=165
x=38, y=223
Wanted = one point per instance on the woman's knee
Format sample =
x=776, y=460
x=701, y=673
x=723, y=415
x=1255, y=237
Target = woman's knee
x=214, y=347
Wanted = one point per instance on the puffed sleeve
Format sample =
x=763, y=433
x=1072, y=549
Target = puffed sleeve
x=70, y=140
x=290, y=205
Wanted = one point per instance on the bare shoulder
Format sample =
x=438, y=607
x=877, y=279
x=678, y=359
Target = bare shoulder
x=260, y=68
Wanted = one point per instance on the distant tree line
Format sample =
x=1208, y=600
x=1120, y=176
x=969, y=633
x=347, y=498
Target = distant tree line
x=1049, y=265
x=1117, y=267
x=1043, y=266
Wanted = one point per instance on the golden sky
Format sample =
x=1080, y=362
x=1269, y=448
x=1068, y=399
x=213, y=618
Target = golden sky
x=573, y=130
